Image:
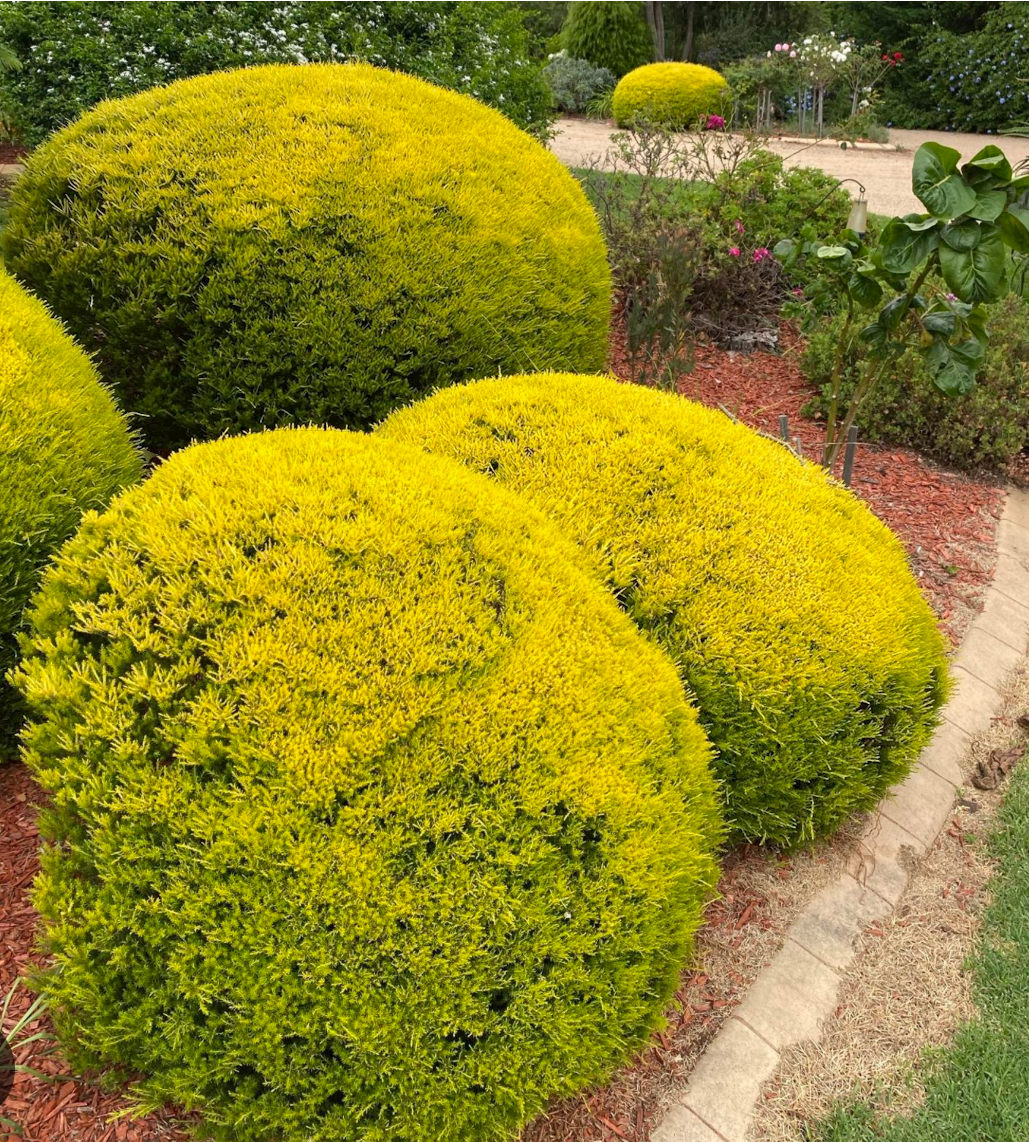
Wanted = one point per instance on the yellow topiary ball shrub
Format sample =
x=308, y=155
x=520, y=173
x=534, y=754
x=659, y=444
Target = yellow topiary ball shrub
x=64, y=448
x=296, y=245
x=373, y=817
x=787, y=606
x=674, y=95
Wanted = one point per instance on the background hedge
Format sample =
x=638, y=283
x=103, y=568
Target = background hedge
x=671, y=94
x=788, y=607
x=374, y=818
x=77, y=52
x=64, y=448
x=372, y=239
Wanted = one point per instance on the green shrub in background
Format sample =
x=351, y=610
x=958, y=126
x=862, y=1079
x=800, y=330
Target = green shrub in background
x=674, y=95
x=78, y=52
x=608, y=33
x=575, y=84
x=387, y=824
x=375, y=239
x=64, y=449
x=973, y=79
x=788, y=607
x=987, y=426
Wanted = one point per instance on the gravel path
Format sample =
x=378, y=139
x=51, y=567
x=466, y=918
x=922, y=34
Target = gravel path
x=885, y=172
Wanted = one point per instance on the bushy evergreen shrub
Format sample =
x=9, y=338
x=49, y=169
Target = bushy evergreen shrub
x=608, y=33
x=77, y=52
x=676, y=95
x=314, y=244
x=64, y=448
x=374, y=818
x=788, y=607
x=576, y=84
x=987, y=426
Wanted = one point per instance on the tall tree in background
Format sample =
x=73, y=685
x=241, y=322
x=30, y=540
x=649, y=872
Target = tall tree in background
x=608, y=33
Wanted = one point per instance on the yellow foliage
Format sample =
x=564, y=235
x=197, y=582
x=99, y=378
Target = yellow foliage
x=316, y=244
x=671, y=94
x=387, y=824
x=64, y=448
x=788, y=607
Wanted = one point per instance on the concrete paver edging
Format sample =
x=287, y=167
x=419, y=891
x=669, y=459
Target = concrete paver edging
x=796, y=992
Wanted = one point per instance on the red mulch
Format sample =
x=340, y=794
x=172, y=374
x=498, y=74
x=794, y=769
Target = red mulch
x=947, y=522
x=9, y=153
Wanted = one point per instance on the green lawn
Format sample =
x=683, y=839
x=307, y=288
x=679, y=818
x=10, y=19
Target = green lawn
x=978, y=1089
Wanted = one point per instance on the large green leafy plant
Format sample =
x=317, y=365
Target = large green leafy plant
x=926, y=281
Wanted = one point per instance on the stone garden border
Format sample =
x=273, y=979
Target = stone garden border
x=792, y=995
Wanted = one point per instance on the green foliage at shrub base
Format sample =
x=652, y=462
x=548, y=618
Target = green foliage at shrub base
x=375, y=238
x=79, y=52
x=988, y=426
x=788, y=607
x=608, y=33
x=64, y=449
x=675, y=95
x=374, y=818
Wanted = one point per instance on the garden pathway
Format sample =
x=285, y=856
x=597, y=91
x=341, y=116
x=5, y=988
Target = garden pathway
x=884, y=171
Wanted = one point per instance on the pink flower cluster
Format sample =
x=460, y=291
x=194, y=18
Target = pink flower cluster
x=761, y=253
x=791, y=48
x=714, y=123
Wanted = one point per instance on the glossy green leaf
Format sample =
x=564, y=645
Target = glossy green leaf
x=991, y=158
x=937, y=183
x=836, y=253
x=940, y=321
x=920, y=221
x=979, y=274
x=904, y=249
x=1014, y=228
x=875, y=334
x=866, y=291
x=988, y=204
x=963, y=235
x=957, y=373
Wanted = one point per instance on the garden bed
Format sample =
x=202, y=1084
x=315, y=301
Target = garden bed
x=947, y=522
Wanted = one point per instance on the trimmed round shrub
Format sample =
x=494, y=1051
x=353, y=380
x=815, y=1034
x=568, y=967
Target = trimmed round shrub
x=607, y=33
x=374, y=818
x=286, y=245
x=64, y=448
x=669, y=94
x=788, y=607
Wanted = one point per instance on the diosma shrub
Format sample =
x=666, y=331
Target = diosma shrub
x=64, y=448
x=387, y=824
x=668, y=94
x=286, y=244
x=788, y=607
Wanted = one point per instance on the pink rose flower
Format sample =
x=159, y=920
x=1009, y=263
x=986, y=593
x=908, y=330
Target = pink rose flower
x=734, y=251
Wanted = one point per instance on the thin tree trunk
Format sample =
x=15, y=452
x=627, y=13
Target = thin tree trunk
x=687, y=47
x=656, y=20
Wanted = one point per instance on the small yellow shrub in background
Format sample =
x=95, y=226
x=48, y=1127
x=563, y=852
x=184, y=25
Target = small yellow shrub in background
x=788, y=607
x=64, y=448
x=387, y=823
x=306, y=245
x=674, y=95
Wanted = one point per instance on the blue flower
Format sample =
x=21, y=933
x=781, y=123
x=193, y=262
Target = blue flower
x=1002, y=99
